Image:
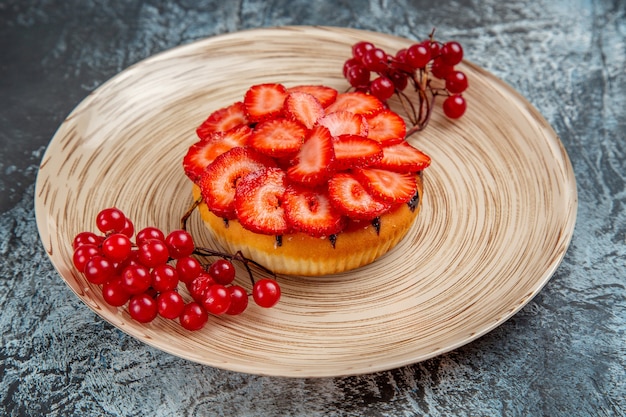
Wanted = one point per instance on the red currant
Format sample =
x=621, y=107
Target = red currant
x=152, y=253
x=86, y=238
x=199, y=286
x=164, y=278
x=110, y=220
x=143, y=308
x=188, y=269
x=193, y=317
x=375, y=60
x=418, y=55
x=99, y=270
x=440, y=69
x=349, y=64
x=170, y=304
x=129, y=228
x=149, y=233
x=222, y=271
x=83, y=254
x=452, y=53
x=358, y=76
x=216, y=299
x=117, y=247
x=238, y=300
x=266, y=292
x=382, y=88
x=398, y=78
x=180, y=244
x=136, y=279
x=114, y=293
x=360, y=48
x=456, y=82
x=454, y=106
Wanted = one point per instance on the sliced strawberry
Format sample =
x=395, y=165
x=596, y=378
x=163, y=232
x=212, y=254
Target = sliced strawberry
x=278, y=137
x=202, y=153
x=223, y=119
x=258, y=202
x=386, y=127
x=388, y=186
x=311, y=164
x=325, y=95
x=352, y=151
x=403, y=157
x=310, y=211
x=264, y=101
x=350, y=197
x=219, y=180
x=345, y=123
x=357, y=103
x=304, y=108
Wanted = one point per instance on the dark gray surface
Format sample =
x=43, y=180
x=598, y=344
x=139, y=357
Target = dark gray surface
x=564, y=354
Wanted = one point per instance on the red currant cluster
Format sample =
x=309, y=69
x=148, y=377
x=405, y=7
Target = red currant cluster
x=418, y=65
x=146, y=273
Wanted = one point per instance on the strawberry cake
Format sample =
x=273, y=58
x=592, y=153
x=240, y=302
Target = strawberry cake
x=306, y=180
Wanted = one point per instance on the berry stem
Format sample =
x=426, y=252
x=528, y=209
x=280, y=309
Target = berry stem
x=188, y=213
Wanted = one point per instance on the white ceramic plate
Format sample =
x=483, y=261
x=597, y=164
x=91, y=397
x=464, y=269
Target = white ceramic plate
x=498, y=213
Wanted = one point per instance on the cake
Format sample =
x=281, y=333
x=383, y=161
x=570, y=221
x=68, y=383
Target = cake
x=306, y=180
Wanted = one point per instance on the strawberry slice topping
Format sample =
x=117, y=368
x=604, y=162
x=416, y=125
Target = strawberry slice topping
x=258, y=201
x=223, y=119
x=345, y=123
x=353, y=151
x=325, y=95
x=386, y=127
x=264, y=101
x=304, y=108
x=202, y=153
x=278, y=137
x=357, y=103
x=391, y=187
x=402, y=157
x=219, y=180
x=349, y=196
x=311, y=164
x=310, y=211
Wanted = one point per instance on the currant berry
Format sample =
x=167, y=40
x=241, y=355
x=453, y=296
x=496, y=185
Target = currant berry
x=199, y=286
x=360, y=48
x=454, y=106
x=398, y=78
x=222, y=271
x=216, y=299
x=418, y=55
x=136, y=279
x=238, y=300
x=149, y=233
x=382, y=88
x=193, y=317
x=170, y=304
x=188, y=269
x=179, y=244
x=110, y=220
x=83, y=254
x=143, y=308
x=99, y=270
x=152, y=253
x=358, y=76
x=456, y=82
x=117, y=247
x=129, y=228
x=84, y=238
x=452, y=53
x=349, y=64
x=164, y=278
x=114, y=292
x=440, y=69
x=266, y=293
x=375, y=60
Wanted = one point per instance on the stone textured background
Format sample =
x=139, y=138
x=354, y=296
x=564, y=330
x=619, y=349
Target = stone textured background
x=564, y=354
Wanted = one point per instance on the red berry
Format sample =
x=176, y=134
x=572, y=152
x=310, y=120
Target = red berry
x=360, y=48
x=222, y=271
x=164, y=278
x=456, y=82
x=136, y=279
x=149, y=233
x=99, y=270
x=238, y=300
x=375, y=60
x=216, y=299
x=188, y=269
x=440, y=69
x=180, y=244
x=199, y=286
x=129, y=228
x=452, y=53
x=83, y=254
x=86, y=238
x=153, y=253
x=117, y=247
x=114, y=293
x=170, y=304
x=349, y=64
x=454, y=106
x=193, y=317
x=399, y=79
x=382, y=88
x=110, y=220
x=143, y=308
x=266, y=292
x=358, y=76
x=418, y=55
